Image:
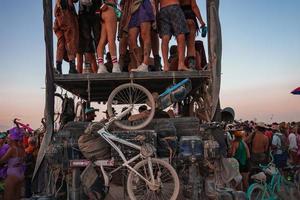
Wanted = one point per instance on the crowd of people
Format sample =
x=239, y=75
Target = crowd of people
x=18, y=151
x=83, y=33
x=252, y=144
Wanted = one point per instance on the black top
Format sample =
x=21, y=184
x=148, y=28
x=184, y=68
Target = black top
x=90, y=10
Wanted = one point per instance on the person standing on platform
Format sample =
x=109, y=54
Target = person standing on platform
x=171, y=21
x=66, y=30
x=89, y=33
x=109, y=17
x=192, y=13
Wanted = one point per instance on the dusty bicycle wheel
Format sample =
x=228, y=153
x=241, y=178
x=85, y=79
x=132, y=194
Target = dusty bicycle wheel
x=135, y=96
x=165, y=176
x=257, y=191
x=58, y=106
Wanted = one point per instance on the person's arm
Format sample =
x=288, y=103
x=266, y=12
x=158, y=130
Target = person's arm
x=233, y=148
x=247, y=149
x=197, y=12
x=6, y=156
x=141, y=115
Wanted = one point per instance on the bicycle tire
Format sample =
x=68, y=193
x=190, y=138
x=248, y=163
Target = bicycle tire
x=119, y=89
x=79, y=107
x=257, y=187
x=144, y=163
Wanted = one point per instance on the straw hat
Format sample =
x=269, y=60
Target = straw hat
x=261, y=124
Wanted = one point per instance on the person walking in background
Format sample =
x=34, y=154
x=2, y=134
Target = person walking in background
x=3, y=149
x=293, y=147
x=14, y=157
x=280, y=147
x=259, y=146
x=66, y=30
x=240, y=151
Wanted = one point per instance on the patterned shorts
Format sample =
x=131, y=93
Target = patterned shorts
x=171, y=21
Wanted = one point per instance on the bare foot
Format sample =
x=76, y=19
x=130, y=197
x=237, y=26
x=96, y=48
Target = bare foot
x=184, y=68
x=166, y=68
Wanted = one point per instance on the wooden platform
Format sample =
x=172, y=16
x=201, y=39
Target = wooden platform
x=101, y=85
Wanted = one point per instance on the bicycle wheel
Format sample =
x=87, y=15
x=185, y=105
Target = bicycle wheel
x=58, y=106
x=257, y=192
x=165, y=176
x=134, y=95
x=79, y=112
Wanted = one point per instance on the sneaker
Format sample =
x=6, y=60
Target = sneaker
x=116, y=68
x=142, y=68
x=102, y=69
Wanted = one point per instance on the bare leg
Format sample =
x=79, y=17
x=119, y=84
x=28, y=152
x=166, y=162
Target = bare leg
x=181, y=52
x=110, y=26
x=146, y=37
x=91, y=58
x=154, y=43
x=79, y=65
x=132, y=35
x=102, y=42
x=191, y=51
x=165, y=51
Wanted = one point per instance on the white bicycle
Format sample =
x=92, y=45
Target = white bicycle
x=150, y=178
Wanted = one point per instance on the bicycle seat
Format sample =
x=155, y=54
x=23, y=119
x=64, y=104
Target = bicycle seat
x=261, y=177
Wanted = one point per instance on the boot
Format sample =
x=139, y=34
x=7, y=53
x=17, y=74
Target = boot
x=102, y=69
x=58, y=67
x=72, y=69
x=157, y=63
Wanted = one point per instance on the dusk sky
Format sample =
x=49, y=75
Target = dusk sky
x=260, y=62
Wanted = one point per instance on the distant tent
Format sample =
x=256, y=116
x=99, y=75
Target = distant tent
x=296, y=91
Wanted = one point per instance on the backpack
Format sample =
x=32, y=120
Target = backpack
x=284, y=142
x=68, y=113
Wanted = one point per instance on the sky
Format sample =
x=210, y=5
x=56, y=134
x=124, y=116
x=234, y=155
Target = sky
x=260, y=60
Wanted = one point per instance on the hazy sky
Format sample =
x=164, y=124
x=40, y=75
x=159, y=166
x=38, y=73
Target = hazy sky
x=260, y=64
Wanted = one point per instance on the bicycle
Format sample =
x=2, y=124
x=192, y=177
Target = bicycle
x=268, y=190
x=150, y=177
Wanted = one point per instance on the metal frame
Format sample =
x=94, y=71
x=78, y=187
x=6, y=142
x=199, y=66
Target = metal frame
x=214, y=46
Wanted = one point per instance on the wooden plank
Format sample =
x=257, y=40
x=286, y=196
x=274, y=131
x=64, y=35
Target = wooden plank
x=101, y=85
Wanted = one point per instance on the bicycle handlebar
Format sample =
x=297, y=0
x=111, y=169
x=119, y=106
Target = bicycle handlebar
x=269, y=164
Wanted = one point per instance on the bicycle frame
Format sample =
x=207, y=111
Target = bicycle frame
x=109, y=138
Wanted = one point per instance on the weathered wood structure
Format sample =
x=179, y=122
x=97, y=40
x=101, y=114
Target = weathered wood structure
x=97, y=87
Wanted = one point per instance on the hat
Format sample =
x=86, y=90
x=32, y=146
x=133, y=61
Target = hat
x=275, y=127
x=16, y=133
x=260, y=124
x=238, y=133
x=2, y=135
x=90, y=110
